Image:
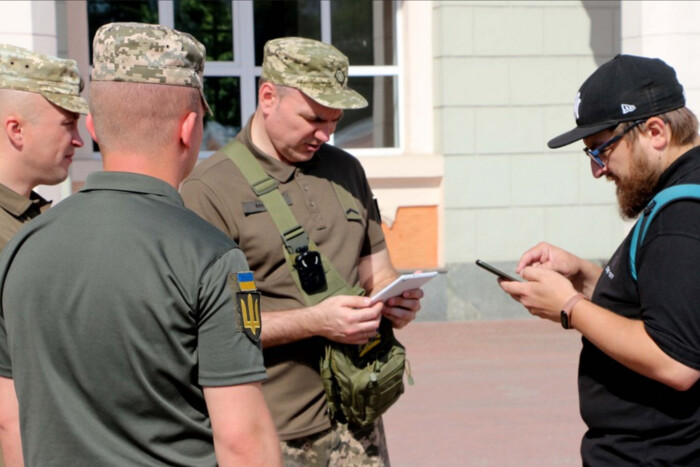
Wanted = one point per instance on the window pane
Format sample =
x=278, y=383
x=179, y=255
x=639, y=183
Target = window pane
x=364, y=31
x=375, y=125
x=108, y=11
x=210, y=22
x=277, y=18
x=224, y=98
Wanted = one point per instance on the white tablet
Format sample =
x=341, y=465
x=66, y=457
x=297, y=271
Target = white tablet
x=402, y=284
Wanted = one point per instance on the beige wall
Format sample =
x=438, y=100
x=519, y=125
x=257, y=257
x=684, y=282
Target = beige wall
x=668, y=30
x=506, y=74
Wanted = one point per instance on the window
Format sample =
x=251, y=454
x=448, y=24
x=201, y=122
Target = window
x=234, y=33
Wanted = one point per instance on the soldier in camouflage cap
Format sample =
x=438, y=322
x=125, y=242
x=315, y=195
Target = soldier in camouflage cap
x=318, y=70
x=57, y=79
x=301, y=97
x=40, y=106
x=138, y=312
x=148, y=53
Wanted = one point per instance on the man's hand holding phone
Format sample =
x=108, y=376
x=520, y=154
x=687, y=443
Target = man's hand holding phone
x=494, y=270
x=402, y=297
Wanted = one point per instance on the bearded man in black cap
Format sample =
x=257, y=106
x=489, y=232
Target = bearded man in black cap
x=638, y=316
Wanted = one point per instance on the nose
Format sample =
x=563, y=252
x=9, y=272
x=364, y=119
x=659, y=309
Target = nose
x=597, y=171
x=324, y=131
x=77, y=141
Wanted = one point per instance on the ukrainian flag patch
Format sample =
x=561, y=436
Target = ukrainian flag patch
x=246, y=281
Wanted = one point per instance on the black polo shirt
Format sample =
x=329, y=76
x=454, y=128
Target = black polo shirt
x=634, y=420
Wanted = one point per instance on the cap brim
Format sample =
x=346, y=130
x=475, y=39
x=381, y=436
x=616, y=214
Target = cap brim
x=70, y=103
x=345, y=99
x=576, y=134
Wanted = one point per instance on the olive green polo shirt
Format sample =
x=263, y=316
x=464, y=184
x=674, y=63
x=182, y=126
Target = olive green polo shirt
x=138, y=310
x=17, y=210
x=219, y=193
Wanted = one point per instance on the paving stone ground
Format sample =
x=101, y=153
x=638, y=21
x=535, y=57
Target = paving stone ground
x=489, y=393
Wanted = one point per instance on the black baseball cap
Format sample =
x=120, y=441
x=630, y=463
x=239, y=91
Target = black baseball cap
x=623, y=89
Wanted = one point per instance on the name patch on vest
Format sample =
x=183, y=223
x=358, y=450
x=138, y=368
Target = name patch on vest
x=254, y=207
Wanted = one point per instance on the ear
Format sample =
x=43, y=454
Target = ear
x=267, y=97
x=658, y=132
x=91, y=127
x=14, y=131
x=187, y=128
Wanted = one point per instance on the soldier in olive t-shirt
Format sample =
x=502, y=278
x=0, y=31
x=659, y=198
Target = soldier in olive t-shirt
x=130, y=327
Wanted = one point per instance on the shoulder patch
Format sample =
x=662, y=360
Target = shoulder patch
x=246, y=304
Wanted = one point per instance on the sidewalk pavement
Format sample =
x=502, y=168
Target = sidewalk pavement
x=488, y=393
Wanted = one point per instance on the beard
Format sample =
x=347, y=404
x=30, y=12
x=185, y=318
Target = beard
x=635, y=190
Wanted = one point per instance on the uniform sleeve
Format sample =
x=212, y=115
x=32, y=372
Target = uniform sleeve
x=5, y=360
x=227, y=354
x=374, y=239
x=201, y=198
x=375, y=235
x=669, y=290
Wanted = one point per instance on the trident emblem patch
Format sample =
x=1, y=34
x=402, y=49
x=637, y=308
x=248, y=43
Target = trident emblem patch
x=247, y=304
x=250, y=310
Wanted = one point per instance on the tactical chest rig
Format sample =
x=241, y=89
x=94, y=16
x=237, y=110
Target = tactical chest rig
x=361, y=382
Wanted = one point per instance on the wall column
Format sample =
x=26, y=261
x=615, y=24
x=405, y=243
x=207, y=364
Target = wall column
x=668, y=30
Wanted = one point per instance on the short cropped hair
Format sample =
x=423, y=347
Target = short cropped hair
x=683, y=123
x=139, y=117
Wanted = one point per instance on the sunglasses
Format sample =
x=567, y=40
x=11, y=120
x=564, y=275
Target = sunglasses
x=594, y=154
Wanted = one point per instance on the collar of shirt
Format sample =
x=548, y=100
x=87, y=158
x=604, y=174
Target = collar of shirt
x=680, y=169
x=132, y=183
x=276, y=169
x=16, y=204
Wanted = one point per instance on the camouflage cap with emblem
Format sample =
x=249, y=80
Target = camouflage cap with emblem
x=56, y=79
x=318, y=70
x=150, y=54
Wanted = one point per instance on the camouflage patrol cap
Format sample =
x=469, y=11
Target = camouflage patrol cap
x=148, y=53
x=57, y=80
x=318, y=70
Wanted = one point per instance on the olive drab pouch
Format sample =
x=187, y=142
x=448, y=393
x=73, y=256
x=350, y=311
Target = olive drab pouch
x=362, y=382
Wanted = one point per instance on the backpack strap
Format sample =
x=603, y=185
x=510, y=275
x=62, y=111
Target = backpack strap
x=658, y=202
x=294, y=237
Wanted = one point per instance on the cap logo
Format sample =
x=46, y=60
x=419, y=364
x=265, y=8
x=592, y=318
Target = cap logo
x=577, y=103
x=627, y=108
x=340, y=76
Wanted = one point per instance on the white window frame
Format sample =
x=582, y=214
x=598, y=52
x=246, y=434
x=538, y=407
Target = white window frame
x=243, y=65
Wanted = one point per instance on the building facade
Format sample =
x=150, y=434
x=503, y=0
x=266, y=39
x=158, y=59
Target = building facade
x=464, y=96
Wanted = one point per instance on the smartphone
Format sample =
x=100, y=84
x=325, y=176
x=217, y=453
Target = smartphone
x=402, y=284
x=498, y=272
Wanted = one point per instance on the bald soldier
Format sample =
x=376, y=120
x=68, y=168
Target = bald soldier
x=135, y=350
x=40, y=105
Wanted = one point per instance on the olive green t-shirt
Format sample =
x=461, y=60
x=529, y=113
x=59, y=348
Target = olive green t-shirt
x=16, y=210
x=218, y=192
x=118, y=306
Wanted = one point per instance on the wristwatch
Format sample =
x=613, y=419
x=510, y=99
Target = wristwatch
x=565, y=314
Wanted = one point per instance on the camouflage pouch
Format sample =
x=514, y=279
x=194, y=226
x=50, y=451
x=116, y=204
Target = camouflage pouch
x=362, y=382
